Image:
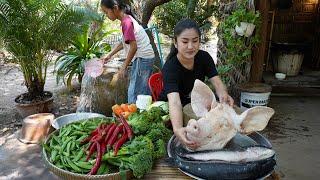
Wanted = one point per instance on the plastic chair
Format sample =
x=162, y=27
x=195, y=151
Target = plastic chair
x=156, y=85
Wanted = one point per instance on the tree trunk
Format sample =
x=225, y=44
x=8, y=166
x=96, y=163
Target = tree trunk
x=35, y=87
x=143, y=9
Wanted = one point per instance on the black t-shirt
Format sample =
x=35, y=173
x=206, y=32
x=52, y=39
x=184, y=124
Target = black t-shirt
x=177, y=78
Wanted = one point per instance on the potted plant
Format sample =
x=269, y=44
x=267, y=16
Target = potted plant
x=30, y=30
x=236, y=43
x=245, y=21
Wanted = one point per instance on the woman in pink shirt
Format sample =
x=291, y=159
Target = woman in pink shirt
x=136, y=44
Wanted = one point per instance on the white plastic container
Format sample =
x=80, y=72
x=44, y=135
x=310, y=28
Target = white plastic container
x=280, y=76
x=143, y=101
x=249, y=100
x=254, y=94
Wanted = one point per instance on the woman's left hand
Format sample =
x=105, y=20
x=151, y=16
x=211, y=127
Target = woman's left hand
x=122, y=72
x=226, y=98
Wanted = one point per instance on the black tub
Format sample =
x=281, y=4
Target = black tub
x=224, y=170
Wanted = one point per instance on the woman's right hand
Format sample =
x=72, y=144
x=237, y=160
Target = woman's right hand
x=181, y=134
x=106, y=59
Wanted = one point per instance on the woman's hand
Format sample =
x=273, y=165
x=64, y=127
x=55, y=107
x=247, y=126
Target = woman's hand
x=106, y=59
x=122, y=71
x=182, y=136
x=221, y=90
x=226, y=98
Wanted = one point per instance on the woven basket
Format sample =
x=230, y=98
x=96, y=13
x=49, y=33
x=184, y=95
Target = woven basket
x=70, y=175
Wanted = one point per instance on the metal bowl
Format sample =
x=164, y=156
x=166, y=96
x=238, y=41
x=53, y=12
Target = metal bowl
x=73, y=117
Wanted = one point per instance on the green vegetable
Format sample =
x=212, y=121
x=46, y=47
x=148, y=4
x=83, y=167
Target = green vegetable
x=79, y=155
x=160, y=149
x=159, y=134
x=84, y=165
x=53, y=155
x=140, y=122
x=72, y=165
x=135, y=155
x=164, y=105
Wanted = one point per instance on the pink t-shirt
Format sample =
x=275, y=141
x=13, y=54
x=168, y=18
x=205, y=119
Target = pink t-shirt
x=127, y=29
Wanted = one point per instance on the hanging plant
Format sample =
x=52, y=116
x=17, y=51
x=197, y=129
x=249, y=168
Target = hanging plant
x=237, y=42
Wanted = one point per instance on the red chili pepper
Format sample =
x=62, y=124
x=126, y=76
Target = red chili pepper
x=92, y=149
x=91, y=144
x=119, y=143
x=87, y=139
x=114, y=136
x=104, y=132
x=126, y=125
x=96, y=166
x=110, y=131
x=95, y=138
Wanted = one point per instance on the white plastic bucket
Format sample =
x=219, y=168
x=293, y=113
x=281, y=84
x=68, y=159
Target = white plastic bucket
x=249, y=100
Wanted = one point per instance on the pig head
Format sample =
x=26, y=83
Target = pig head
x=219, y=122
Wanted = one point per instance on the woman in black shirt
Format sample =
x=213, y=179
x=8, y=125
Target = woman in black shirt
x=184, y=65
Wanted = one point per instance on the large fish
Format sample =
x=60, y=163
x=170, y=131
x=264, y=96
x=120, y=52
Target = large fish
x=249, y=155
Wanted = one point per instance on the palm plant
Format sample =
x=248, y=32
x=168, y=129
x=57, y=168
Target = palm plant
x=30, y=29
x=87, y=45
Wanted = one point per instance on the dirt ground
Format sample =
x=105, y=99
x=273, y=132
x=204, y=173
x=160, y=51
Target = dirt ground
x=294, y=131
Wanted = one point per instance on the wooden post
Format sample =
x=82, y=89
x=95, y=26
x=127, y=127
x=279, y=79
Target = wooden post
x=316, y=43
x=259, y=53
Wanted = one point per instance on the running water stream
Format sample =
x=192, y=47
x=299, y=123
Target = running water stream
x=98, y=95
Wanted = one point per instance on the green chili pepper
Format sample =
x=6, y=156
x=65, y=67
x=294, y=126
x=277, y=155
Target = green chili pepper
x=55, y=138
x=77, y=127
x=79, y=155
x=53, y=156
x=73, y=166
x=102, y=169
x=73, y=145
x=82, y=137
x=66, y=143
x=84, y=165
x=68, y=148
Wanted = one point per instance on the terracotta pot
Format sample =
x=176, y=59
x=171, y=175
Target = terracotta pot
x=36, y=127
x=33, y=108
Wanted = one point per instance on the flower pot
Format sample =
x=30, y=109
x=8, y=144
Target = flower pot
x=249, y=30
x=245, y=29
x=26, y=109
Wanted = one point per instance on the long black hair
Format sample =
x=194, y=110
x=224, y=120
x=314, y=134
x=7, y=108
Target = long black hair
x=120, y=3
x=182, y=25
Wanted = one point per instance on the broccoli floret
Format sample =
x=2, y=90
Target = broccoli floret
x=135, y=155
x=159, y=131
x=159, y=134
x=140, y=163
x=159, y=149
x=141, y=122
x=156, y=114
